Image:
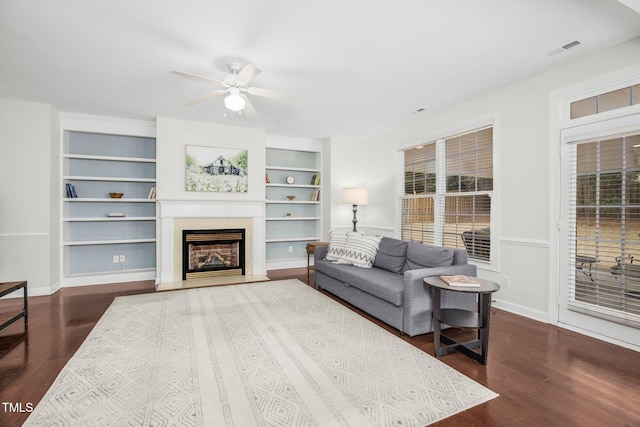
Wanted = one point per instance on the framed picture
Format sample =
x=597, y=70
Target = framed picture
x=222, y=170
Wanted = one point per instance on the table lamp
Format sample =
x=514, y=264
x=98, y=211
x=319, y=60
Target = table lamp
x=355, y=197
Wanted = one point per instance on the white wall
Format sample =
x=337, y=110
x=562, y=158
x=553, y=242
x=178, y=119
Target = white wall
x=55, y=205
x=174, y=135
x=353, y=164
x=28, y=225
x=347, y=170
x=522, y=169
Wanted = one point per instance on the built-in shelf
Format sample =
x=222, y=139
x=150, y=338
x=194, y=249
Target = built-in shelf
x=108, y=242
x=293, y=186
x=106, y=179
x=294, y=202
x=107, y=199
x=109, y=158
x=292, y=169
x=291, y=224
x=294, y=218
x=97, y=164
x=294, y=239
x=109, y=219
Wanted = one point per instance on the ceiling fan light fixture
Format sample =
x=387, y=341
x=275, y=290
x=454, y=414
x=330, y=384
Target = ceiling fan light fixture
x=234, y=101
x=234, y=89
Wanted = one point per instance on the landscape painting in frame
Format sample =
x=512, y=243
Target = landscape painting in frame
x=222, y=170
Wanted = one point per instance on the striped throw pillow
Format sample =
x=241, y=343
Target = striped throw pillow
x=337, y=243
x=360, y=251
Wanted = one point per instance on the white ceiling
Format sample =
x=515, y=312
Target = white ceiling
x=355, y=67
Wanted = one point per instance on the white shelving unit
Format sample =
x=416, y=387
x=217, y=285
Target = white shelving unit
x=98, y=248
x=291, y=224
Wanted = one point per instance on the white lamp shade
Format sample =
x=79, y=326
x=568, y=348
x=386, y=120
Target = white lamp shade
x=355, y=196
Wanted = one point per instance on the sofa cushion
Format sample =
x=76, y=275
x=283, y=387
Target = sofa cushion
x=420, y=255
x=392, y=255
x=360, y=251
x=380, y=283
x=337, y=243
x=339, y=272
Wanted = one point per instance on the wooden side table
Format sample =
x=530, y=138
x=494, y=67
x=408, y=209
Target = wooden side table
x=11, y=316
x=459, y=318
x=311, y=248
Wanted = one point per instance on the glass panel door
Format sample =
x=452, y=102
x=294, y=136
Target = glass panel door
x=600, y=230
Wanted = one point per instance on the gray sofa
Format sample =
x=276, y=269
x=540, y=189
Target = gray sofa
x=393, y=289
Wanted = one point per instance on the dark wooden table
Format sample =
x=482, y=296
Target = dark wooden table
x=311, y=248
x=7, y=318
x=459, y=318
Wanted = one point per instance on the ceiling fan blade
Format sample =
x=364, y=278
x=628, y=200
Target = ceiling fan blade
x=248, y=73
x=197, y=76
x=207, y=96
x=269, y=94
x=248, y=109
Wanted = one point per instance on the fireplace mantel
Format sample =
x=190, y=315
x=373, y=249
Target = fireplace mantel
x=178, y=215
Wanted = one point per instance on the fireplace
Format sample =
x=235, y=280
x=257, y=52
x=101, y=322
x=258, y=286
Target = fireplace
x=211, y=253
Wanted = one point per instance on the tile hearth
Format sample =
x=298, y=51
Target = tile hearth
x=210, y=281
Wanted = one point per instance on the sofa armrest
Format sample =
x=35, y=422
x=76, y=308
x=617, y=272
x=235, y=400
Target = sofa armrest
x=320, y=252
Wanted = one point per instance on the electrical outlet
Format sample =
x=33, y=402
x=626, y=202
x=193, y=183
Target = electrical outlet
x=116, y=259
x=506, y=281
x=290, y=249
x=121, y=258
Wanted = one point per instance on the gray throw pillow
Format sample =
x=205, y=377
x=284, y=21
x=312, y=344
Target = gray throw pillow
x=426, y=256
x=392, y=255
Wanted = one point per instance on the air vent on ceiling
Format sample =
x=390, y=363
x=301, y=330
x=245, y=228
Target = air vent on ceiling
x=563, y=48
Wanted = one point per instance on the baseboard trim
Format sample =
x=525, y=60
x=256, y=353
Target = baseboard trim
x=286, y=263
x=521, y=310
x=543, y=317
x=107, y=278
x=604, y=338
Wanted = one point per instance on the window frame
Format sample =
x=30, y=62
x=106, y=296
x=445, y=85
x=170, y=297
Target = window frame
x=570, y=312
x=491, y=120
x=564, y=130
x=562, y=101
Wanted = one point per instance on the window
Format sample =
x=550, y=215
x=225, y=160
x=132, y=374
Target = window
x=609, y=101
x=448, y=186
x=605, y=213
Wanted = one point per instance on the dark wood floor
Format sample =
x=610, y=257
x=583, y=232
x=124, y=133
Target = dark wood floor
x=546, y=376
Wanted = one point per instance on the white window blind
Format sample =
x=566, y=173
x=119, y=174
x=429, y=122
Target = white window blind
x=448, y=186
x=418, y=204
x=469, y=168
x=604, y=218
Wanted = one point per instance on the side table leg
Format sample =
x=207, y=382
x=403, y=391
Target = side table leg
x=26, y=308
x=435, y=302
x=485, y=313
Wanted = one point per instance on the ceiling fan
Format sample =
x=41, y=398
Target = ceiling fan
x=234, y=86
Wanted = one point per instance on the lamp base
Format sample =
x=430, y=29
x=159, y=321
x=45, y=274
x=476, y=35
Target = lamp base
x=355, y=220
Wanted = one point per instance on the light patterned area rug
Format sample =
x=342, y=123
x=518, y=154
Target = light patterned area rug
x=267, y=354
